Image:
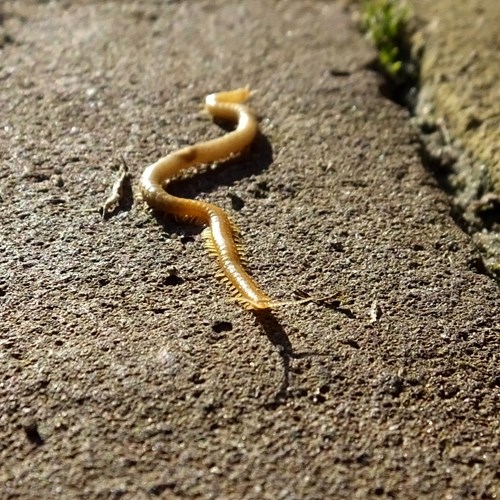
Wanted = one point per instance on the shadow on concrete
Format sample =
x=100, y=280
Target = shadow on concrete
x=259, y=157
x=280, y=340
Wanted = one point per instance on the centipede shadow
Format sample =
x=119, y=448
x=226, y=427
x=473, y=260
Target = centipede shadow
x=207, y=180
x=276, y=334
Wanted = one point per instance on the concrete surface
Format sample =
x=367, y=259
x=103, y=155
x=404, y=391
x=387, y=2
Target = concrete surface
x=127, y=373
x=460, y=74
x=460, y=94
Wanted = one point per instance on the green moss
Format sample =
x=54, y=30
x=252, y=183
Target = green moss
x=385, y=23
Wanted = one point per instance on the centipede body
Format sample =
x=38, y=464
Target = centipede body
x=221, y=235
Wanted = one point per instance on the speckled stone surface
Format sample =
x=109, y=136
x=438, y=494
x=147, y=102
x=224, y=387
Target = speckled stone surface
x=460, y=92
x=461, y=74
x=126, y=371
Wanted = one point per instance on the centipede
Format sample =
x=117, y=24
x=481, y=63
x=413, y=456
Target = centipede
x=221, y=236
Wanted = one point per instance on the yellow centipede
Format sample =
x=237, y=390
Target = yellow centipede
x=220, y=234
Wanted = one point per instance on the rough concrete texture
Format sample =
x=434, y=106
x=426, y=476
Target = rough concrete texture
x=460, y=73
x=126, y=371
x=460, y=92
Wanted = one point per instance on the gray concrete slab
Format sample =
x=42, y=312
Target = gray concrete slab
x=460, y=93
x=127, y=373
x=460, y=75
